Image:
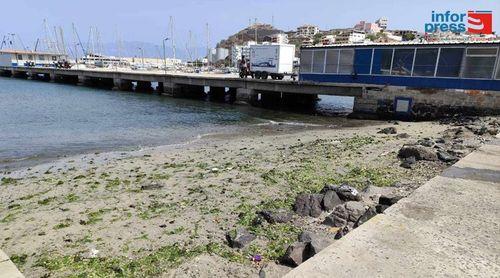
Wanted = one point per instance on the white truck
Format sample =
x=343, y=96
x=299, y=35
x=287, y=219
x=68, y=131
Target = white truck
x=274, y=60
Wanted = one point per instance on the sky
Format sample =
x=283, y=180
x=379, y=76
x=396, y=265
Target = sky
x=147, y=20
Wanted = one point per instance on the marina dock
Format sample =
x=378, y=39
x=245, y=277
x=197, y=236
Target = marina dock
x=190, y=84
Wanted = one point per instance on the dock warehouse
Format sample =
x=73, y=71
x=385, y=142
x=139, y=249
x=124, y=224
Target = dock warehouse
x=460, y=65
x=438, y=78
x=21, y=58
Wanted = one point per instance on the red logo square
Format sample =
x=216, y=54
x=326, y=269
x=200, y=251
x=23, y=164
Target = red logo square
x=480, y=22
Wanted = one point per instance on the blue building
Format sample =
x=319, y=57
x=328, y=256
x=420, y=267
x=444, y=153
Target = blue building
x=445, y=65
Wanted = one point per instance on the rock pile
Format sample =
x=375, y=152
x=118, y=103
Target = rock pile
x=347, y=209
x=308, y=245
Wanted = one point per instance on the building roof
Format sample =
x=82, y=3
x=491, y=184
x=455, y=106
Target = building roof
x=408, y=43
x=16, y=51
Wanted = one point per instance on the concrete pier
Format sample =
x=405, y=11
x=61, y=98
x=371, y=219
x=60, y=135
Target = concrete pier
x=375, y=101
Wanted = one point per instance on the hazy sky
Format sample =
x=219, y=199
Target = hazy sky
x=147, y=20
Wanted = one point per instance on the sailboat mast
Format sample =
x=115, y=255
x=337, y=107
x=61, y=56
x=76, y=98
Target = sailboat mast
x=63, y=45
x=56, y=42
x=190, y=48
x=48, y=39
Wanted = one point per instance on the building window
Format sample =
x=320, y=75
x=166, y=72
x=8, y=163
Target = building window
x=479, y=62
x=450, y=61
x=54, y=58
x=319, y=61
x=362, y=61
x=332, y=61
x=30, y=57
x=19, y=57
x=306, y=61
x=425, y=62
x=498, y=69
x=403, y=61
x=382, y=60
x=346, y=61
x=41, y=57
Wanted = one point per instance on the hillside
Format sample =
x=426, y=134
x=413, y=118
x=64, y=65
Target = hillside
x=248, y=34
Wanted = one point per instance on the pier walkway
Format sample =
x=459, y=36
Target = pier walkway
x=170, y=81
x=449, y=227
x=7, y=267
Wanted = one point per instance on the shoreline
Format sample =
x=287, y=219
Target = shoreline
x=273, y=127
x=126, y=209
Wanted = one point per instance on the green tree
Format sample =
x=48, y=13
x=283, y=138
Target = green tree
x=408, y=37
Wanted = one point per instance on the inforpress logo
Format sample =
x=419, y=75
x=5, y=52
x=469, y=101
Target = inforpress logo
x=480, y=22
x=475, y=22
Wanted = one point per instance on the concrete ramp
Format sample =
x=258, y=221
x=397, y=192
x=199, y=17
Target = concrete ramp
x=449, y=227
x=7, y=267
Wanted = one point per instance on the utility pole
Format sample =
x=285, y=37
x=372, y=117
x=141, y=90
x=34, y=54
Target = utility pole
x=190, y=46
x=208, y=46
x=142, y=55
x=165, y=54
x=172, y=39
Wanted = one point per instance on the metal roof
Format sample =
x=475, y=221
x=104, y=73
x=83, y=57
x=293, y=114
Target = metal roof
x=15, y=51
x=409, y=43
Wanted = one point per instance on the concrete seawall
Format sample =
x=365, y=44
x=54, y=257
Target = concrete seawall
x=449, y=227
x=426, y=104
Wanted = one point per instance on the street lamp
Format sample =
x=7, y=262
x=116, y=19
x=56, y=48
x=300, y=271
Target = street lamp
x=165, y=54
x=142, y=55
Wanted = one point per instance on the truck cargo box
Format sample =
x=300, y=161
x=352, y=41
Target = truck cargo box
x=272, y=58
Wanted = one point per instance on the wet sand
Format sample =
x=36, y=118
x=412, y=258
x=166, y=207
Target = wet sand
x=164, y=211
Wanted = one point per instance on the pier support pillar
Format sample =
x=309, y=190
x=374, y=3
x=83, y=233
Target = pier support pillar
x=171, y=89
x=82, y=80
x=246, y=96
x=122, y=85
x=52, y=77
x=160, y=88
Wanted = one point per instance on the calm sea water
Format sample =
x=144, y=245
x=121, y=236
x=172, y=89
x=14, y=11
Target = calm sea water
x=40, y=121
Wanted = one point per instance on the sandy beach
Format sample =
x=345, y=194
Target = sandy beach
x=165, y=211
